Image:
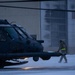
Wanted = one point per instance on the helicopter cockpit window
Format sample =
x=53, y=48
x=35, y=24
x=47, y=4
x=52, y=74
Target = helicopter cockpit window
x=11, y=31
x=21, y=33
x=3, y=35
x=23, y=30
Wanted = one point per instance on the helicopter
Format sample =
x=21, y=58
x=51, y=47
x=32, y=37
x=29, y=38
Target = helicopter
x=16, y=43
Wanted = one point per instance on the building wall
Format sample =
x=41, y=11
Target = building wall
x=28, y=18
x=71, y=26
x=53, y=24
x=56, y=25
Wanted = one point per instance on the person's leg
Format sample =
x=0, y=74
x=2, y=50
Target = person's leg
x=65, y=58
x=60, y=59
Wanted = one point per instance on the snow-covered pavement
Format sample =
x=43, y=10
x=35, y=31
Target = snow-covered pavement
x=49, y=67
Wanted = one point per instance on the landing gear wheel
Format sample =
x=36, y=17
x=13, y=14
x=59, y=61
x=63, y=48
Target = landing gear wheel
x=45, y=58
x=35, y=58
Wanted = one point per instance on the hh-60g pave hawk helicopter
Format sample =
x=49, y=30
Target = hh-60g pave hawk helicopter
x=16, y=44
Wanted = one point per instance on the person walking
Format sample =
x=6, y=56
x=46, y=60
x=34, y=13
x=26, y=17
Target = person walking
x=63, y=50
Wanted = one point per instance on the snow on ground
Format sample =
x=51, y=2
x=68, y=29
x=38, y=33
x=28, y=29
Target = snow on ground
x=49, y=67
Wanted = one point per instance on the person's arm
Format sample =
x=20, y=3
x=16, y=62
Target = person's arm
x=59, y=48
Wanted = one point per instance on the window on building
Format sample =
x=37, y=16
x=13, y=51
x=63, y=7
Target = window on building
x=73, y=15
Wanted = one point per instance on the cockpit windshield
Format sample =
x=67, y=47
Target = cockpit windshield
x=11, y=31
x=22, y=32
x=7, y=32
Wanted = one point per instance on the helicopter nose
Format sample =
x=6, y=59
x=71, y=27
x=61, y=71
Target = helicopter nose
x=39, y=47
